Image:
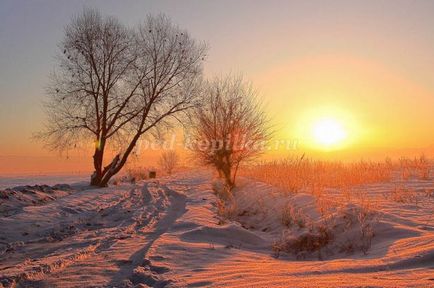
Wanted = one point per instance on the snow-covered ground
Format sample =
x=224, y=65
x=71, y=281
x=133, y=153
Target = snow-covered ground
x=166, y=233
x=13, y=181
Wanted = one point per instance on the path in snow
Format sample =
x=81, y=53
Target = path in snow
x=97, y=236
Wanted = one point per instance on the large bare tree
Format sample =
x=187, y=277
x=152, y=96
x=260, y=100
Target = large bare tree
x=230, y=126
x=115, y=84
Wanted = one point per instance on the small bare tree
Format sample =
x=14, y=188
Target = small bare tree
x=114, y=85
x=168, y=161
x=230, y=126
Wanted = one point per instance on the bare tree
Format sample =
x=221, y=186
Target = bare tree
x=168, y=161
x=115, y=84
x=230, y=126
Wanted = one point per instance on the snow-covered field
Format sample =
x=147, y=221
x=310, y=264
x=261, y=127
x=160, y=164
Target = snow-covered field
x=11, y=181
x=167, y=233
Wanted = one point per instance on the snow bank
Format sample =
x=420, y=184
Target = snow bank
x=299, y=225
x=14, y=199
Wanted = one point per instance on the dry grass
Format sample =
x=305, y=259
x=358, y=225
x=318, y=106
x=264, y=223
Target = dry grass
x=293, y=216
x=300, y=174
x=307, y=175
x=138, y=173
x=226, y=205
x=132, y=175
x=226, y=210
x=305, y=243
x=419, y=167
x=366, y=218
x=349, y=229
x=402, y=194
x=168, y=161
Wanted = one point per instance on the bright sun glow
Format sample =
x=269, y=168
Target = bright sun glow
x=328, y=132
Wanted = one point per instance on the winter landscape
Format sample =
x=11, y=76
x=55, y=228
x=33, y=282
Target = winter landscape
x=191, y=144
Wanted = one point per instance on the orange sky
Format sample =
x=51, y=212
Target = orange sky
x=380, y=108
x=369, y=65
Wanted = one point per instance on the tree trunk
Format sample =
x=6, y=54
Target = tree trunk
x=234, y=176
x=228, y=177
x=98, y=158
x=110, y=170
x=117, y=163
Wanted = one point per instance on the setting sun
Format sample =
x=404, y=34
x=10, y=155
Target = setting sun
x=328, y=132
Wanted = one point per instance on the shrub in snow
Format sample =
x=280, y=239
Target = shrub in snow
x=168, y=161
x=227, y=207
x=293, y=216
x=349, y=229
